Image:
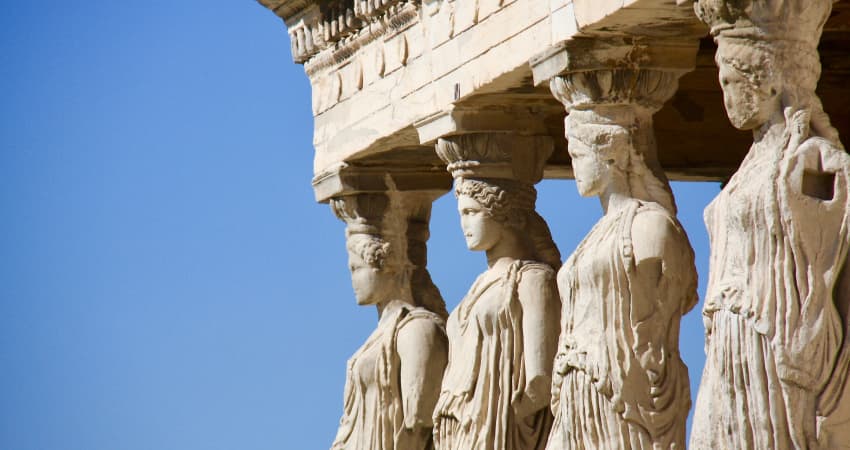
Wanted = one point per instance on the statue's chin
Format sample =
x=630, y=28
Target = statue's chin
x=365, y=301
x=749, y=111
x=583, y=189
x=473, y=246
x=744, y=122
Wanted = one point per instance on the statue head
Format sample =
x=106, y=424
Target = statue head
x=386, y=235
x=489, y=209
x=609, y=129
x=606, y=145
x=599, y=153
x=374, y=256
x=757, y=84
x=494, y=177
x=767, y=55
x=480, y=229
x=492, y=208
x=375, y=277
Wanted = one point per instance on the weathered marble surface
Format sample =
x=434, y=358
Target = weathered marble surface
x=776, y=309
x=392, y=77
x=619, y=380
x=377, y=72
x=377, y=69
x=502, y=334
x=393, y=380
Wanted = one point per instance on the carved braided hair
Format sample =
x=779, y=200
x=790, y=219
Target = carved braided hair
x=512, y=204
x=372, y=249
x=379, y=253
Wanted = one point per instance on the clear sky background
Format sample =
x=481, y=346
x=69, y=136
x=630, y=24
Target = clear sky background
x=166, y=279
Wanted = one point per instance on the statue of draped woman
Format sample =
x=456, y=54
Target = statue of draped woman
x=776, y=310
x=393, y=380
x=619, y=382
x=502, y=335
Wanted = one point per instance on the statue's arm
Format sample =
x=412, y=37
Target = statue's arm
x=816, y=202
x=423, y=351
x=541, y=310
x=658, y=253
x=560, y=366
x=657, y=289
x=651, y=241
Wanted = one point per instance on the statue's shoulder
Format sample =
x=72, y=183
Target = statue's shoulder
x=533, y=268
x=653, y=232
x=649, y=208
x=420, y=318
x=420, y=327
x=817, y=169
x=534, y=276
x=820, y=154
x=822, y=144
x=652, y=218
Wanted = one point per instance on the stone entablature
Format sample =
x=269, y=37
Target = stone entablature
x=374, y=79
x=502, y=93
x=411, y=61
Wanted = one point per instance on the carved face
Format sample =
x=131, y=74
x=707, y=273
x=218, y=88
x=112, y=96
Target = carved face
x=590, y=173
x=372, y=285
x=481, y=230
x=749, y=103
x=588, y=145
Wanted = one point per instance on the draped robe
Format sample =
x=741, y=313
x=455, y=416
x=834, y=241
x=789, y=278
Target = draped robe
x=373, y=413
x=486, y=375
x=775, y=311
x=619, y=381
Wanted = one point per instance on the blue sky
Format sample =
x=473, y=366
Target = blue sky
x=166, y=279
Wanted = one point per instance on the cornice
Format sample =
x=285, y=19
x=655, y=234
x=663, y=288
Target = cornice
x=330, y=31
x=287, y=9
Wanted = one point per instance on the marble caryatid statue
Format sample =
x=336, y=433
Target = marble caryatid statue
x=502, y=335
x=393, y=380
x=776, y=308
x=619, y=382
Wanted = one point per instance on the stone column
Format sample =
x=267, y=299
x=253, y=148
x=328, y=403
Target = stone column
x=619, y=381
x=776, y=309
x=393, y=380
x=502, y=335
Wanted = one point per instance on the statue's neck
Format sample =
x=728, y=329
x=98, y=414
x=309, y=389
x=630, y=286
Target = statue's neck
x=509, y=249
x=771, y=134
x=617, y=195
x=388, y=307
